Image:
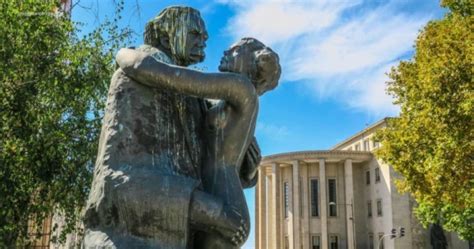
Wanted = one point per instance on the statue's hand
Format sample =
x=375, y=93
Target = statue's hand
x=210, y=214
x=234, y=228
x=249, y=168
x=254, y=157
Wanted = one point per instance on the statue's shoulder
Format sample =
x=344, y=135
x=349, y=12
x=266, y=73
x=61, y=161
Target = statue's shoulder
x=155, y=53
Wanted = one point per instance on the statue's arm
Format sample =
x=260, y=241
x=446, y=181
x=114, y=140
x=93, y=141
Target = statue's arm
x=234, y=88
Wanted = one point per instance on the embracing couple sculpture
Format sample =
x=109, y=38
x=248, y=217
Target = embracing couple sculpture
x=171, y=167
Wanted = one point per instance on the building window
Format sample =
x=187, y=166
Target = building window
x=286, y=198
x=379, y=207
x=367, y=177
x=381, y=241
x=377, y=174
x=315, y=242
x=366, y=145
x=287, y=243
x=375, y=144
x=369, y=209
x=332, y=197
x=349, y=149
x=371, y=241
x=357, y=147
x=314, y=198
x=333, y=242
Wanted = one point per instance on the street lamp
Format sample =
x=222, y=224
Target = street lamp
x=393, y=235
x=351, y=218
x=381, y=239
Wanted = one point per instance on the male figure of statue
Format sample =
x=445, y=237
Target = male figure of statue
x=147, y=190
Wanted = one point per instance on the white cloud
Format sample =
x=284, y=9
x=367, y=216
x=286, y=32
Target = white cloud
x=341, y=49
x=371, y=95
x=274, y=21
x=363, y=91
x=357, y=45
x=272, y=131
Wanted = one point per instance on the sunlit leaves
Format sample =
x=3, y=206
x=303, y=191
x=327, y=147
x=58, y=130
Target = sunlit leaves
x=53, y=87
x=432, y=142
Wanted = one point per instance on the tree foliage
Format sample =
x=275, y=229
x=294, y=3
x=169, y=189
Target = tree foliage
x=431, y=143
x=53, y=87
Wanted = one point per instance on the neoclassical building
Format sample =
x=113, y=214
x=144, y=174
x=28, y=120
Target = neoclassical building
x=343, y=198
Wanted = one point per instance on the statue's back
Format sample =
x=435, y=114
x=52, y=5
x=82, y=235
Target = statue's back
x=148, y=165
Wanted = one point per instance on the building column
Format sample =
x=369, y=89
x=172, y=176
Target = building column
x=349, y=202
x=262, y=209
x=296, y=205
x=324, y=204
x=306, y=206
x=276, y=223
x=257, y=213
x=268, y=209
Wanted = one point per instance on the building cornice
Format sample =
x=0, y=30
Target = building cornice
x=360, y=133
x=316, y=155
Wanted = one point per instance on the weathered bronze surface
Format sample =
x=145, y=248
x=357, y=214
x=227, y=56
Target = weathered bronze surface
x=170, y=167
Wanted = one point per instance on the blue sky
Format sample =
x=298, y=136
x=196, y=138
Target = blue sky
x=334, y=56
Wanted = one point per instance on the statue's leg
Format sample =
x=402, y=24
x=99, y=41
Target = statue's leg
x=149, y=210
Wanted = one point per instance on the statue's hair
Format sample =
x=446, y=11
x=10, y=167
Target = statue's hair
x=267, y=69
x=173, y=23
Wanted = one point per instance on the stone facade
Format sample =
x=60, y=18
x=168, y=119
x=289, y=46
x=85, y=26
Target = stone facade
x=357, y=203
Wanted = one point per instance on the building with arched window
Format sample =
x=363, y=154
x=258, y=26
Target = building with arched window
x=342, y=198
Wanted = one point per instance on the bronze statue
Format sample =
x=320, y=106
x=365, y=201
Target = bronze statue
x=230, y=123
x=154, y=185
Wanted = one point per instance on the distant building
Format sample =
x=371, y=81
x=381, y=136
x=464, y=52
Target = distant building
x=342, y=198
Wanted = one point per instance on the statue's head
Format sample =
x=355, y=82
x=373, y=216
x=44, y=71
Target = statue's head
x=253, y=59
x=180, y=32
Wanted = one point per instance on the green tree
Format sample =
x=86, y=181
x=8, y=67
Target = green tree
x=53, y=87
x=431, y=143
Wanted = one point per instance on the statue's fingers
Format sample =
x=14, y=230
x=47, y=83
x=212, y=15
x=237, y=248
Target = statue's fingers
x=244, y=224
x=252, y=164
x=245, y=233
x=234, y=241
x=242, y=235
x=237, y=239
x=246, y=230
x=255, y=146
x=253, y=151
x=252, y=160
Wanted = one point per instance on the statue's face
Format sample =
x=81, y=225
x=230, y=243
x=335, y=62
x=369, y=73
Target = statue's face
x=196, y=42
x=251, y=58
x=190, y=48
x=239, y=58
